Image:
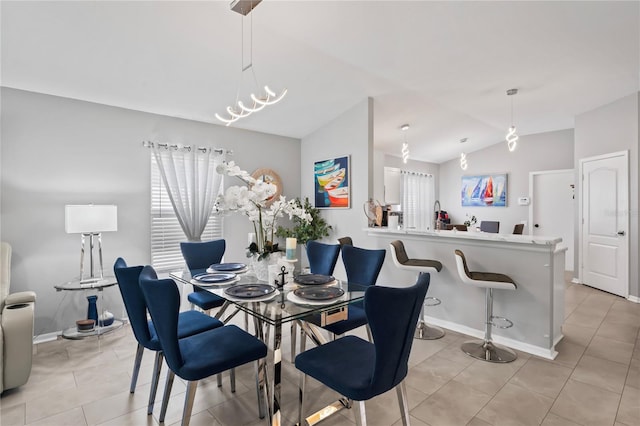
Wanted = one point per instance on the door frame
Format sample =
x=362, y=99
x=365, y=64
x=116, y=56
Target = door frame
x=582, y=161
x=533, y=201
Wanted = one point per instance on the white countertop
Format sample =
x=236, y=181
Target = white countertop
x=470, y=235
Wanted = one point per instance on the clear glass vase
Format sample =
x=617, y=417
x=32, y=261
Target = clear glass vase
x=261, y=267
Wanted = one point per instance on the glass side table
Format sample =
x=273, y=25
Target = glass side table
x=99, y=286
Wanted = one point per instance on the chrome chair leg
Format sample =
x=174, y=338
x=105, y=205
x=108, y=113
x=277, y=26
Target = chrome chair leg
x=303, y=341
x=157, y=366
x=188, y=402
x=232, y=379
x=167, y=393
x=401, y=390
x=260, y=389
x=294, y=335
x=301, y=388
x=136, y=368
x=360, y=413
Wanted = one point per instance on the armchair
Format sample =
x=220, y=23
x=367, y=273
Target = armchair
x=16, y=327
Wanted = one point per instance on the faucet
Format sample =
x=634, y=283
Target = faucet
x=436, y=209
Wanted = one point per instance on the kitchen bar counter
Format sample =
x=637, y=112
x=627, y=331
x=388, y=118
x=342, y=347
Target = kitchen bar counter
x=535, y=263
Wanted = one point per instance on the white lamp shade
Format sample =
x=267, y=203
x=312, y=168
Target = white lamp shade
x=89, y=218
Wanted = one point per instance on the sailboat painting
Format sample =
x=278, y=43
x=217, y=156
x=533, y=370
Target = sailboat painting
x=484, y=190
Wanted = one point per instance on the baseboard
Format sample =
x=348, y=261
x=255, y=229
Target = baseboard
x=548, y=353
x=634, y=299
x=47, y=337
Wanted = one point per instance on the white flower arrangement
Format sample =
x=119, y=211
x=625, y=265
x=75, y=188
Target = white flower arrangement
x=255, y=201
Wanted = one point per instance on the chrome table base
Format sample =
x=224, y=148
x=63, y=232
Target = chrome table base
x=488, y=351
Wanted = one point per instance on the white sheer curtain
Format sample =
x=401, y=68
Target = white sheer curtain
x=418, y=196
x=192, y=182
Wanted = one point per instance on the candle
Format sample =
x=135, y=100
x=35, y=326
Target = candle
x=291, y=248
x=252, y=237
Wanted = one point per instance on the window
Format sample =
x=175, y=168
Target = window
x=418, y=197
x=166, y=233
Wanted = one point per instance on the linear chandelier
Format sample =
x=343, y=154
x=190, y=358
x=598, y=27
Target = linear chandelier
x=405, y=144
x=512, y=137
x=258, y=102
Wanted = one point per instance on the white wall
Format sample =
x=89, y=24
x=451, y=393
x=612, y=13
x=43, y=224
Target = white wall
x=58, y=151
x=611, y=128
x=349, y=134
x=543, y=151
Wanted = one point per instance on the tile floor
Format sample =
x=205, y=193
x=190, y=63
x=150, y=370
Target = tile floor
x=595, y=380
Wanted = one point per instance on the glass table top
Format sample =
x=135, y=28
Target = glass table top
x=282, y=305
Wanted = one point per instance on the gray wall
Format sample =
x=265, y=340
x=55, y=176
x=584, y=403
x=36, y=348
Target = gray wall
x=349, y=134
x=611, y=128
x=58, y=151
x=543, y=151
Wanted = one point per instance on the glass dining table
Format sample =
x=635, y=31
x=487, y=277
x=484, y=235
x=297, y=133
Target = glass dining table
x=274, y=310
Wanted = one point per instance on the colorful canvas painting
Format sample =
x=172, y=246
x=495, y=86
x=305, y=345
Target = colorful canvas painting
x=331, y=183
x=485, y=190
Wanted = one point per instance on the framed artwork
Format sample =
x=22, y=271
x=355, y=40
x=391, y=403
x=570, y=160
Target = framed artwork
x=484, y=190
x=331, y=183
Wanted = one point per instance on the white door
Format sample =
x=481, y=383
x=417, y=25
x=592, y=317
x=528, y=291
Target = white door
x=605, y=225
x=552, y=208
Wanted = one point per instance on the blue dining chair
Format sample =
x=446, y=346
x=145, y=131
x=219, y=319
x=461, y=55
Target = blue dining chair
x=189, y=323
x=362, y=267
x=322, y=260
x=322, y=257
x=360, y=370
x=201, y=355
x=200, y=255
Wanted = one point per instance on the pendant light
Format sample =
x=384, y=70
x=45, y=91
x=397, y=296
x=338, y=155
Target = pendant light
x=239, y=110
x=405, y=144
x=463, y=157
x=512, y=137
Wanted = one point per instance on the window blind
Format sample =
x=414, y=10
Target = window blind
x=166, y=233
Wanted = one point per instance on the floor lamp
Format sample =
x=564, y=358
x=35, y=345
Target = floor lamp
x=91, y=220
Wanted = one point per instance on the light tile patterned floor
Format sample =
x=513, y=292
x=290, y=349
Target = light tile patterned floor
x=594, y=381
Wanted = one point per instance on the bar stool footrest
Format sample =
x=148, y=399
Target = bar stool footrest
x=432, y=301
x=425, y=331
x=488, y=351
x=506, y=320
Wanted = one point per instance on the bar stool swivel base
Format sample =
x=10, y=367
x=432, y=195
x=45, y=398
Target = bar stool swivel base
x=488, y=351
x=425, y=331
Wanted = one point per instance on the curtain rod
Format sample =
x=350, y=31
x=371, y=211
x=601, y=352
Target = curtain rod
x=416, y=173
x=202, y=149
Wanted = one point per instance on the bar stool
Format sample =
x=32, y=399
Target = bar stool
x=485, y=349
x=402, y=261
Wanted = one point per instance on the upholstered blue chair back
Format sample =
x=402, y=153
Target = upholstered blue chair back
x=200, y=255
x=322, y=257
x=362, y=265
x=163, y=302
x=133, y=299
x=392, y=314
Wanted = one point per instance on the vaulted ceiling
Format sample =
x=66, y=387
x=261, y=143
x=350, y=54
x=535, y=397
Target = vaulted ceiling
x=443, y=67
